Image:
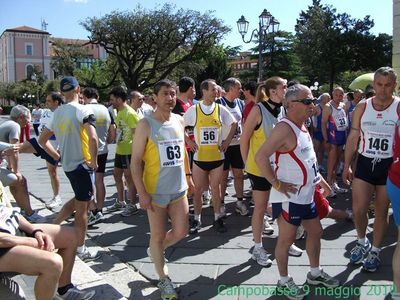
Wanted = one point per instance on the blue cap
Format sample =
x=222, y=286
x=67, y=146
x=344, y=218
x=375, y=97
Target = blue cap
x=68, y=83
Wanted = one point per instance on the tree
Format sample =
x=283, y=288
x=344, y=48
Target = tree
x=327, y=42
x=149, y=44
x=67, y=56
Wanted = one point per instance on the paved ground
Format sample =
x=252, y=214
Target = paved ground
x=207, y=265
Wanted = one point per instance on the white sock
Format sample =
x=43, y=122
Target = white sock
x=363, y=241
x=315, y=272
x=375, y=249
x=284, y=279
x=80, y=249
x=197, y=218
x=216, y=216
x=257, y=245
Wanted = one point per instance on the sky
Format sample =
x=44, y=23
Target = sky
x=63, y=16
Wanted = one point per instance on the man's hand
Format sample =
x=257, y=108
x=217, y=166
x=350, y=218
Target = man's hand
x=285, y=188
x=44, y=241
x=347, y=175
x=92, y=164
x=13, y=149
x=224, y=146
x=192, y=145
x=145, y=202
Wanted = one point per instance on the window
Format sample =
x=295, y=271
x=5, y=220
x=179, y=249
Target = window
x=29, y=49
x=29, y=71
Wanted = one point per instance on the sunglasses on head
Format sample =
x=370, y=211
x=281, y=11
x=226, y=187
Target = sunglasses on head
x=306, y=101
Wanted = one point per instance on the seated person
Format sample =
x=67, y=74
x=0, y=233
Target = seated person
x=32, y=250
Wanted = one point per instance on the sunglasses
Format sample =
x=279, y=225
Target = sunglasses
x=306, y=101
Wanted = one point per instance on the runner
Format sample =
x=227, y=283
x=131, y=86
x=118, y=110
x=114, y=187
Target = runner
x=162, y=180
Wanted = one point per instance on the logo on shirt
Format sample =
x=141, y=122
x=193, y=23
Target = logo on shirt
x=379, y=116
x=389, y=123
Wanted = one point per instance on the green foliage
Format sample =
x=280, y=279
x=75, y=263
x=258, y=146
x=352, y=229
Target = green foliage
x=67, y=56
x=329, y=43
x=148, y=45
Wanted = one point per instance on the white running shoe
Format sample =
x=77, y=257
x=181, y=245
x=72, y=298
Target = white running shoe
x=76, y=294
x=54, y=202
x=261, y=256
x=268, y=229
x=295, y=251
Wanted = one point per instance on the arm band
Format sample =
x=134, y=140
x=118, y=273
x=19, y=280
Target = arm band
x=35, y=231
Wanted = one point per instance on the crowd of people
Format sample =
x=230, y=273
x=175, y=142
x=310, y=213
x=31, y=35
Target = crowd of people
x=172, y=149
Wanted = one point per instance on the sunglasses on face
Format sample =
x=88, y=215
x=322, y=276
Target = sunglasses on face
x=306, y=101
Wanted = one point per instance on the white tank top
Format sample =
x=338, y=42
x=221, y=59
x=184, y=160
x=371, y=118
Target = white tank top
x=298, y=166
x=339, y=117
x=377, y=130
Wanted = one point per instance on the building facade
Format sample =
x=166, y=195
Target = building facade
x=21, y=49
x=24, y=48
x=242, y=63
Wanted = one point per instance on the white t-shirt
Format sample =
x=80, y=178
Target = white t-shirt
x=190, y=115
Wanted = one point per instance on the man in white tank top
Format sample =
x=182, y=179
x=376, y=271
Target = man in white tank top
x=373, y=123
x=293, y=188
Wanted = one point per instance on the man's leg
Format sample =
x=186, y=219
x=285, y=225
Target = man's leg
x=65, y=240
x=100, y=190
x=313, y=243
x=238, y=179
x=65, y=212
x=47, y=266
x=178, y=212
x=215, y=175
x=381, y=221
x=200, y=178
x=332, y=163
x=396, y=264
x=81, y=209
x=257, y=220
x=224, y=182
x=19, y=190
x=157, y=220
x=54, y=179
x=118, y=172
x=131, y=186
x=287, y=235
x=361, y=194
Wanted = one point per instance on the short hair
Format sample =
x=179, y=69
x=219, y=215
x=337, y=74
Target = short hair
x=132, y=94
x=185, y=83
x=251, y=86
x=350, y=96
x=229, y=83
x=292, y=93
x=164, y=82
x=119, y=92
x=55, y=96
x=204, y=84
x=323, y=96
x=293, y=82
x=18, y=110
x=90, y=93
x=385, y=71
x=264, y=87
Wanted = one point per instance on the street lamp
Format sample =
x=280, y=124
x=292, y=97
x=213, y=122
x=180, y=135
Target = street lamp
x=35, y=78
x=266, y=20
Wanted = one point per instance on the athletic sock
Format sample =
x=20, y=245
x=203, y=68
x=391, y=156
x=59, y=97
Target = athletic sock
x=284, y=279
x=375, y=249
x=363, y=241
x=197, y=218
x=315, y=272
x=257, y=245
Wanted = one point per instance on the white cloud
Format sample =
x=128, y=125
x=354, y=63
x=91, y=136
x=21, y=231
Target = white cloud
x=77, y=1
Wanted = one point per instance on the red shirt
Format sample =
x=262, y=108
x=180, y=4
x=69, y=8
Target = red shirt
x=247, y=108
x=394, y=170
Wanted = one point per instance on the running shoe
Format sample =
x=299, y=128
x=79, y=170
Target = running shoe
x=93, y=219
x=194, y=227
x=295, y=251
x=129, y=210
x=219, y=226
x=291, y=290
x=372, y=262
x=241, y=208
x=76, y=294
x=54, y=202
x=300, y=232
x=261, y=256
x=324, y=279
x=167, y=289
x=268, y=229
x=358, y=252
x=118, y=205
x=88, y=255
x=338, y=190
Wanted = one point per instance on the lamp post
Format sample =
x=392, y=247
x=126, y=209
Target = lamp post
x=266, y=20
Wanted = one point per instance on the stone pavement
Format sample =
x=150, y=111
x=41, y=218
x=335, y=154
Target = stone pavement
x=207, y=265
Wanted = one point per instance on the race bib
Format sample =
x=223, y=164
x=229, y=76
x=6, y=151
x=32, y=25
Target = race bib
x=312, y=166
x=379, y=144
x=341, y=122
x=171, y=152
x=9, y=219
x=238, y=131
x=208, y=136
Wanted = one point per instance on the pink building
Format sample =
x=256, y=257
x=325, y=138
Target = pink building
x=21, y=49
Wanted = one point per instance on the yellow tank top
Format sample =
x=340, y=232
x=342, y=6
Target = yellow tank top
x=208, y=135
x=258, y=137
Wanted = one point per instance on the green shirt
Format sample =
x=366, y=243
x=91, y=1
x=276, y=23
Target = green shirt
x=126, y=120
